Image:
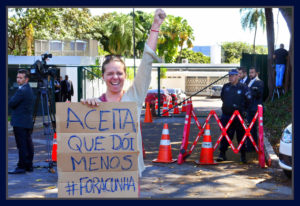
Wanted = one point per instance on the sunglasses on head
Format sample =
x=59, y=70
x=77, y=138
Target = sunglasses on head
x=107, y=57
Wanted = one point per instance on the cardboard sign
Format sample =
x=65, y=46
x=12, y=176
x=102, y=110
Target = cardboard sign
x=97, y=153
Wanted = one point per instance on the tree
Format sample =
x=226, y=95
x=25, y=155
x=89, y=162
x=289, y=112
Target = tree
x=287, y=14
x=232, y=51
x=47, y=23
x=168, y=39
x=143, y=21
x=195, y=57
x=185, y=35
x=270, y=39
x=250, y=19
x=120, y=36
x=20, y=20
x=29, y=38
x=100, y=31
x=78, y=23
x=174, y=32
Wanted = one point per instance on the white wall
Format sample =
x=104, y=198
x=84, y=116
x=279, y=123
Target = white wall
x=215, y=54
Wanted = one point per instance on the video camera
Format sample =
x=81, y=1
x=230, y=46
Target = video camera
x=41, y=70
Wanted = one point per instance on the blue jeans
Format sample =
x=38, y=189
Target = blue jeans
x=279, y=74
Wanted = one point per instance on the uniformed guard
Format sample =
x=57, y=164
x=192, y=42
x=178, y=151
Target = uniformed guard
x=256, y=87
x=235, y=96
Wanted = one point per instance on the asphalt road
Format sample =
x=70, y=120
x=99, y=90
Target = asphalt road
x=188, y=180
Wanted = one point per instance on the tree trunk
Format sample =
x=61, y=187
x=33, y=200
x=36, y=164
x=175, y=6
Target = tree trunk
x=254, y=39
x=287, y=14
x=289, y=67
x=270, y=40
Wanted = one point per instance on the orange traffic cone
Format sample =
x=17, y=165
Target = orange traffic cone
x=165, y=109
x=165, y=152
x=170, y=106
x=207, y=152
x=148, y=116
x=54, y=149
x=156, y=104
x=176, y=108
x=183, y=108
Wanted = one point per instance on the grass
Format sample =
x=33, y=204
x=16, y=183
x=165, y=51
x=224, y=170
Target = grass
x=8, y=118
x=277, y=115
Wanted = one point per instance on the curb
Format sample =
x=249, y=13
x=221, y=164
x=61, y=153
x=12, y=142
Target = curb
x=270, y=155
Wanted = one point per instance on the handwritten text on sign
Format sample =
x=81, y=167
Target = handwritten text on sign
x=107, y=119
x=97, y=150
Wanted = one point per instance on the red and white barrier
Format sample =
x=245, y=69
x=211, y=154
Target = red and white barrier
x=190, y=112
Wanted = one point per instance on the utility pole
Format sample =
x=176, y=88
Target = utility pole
x=133, y=35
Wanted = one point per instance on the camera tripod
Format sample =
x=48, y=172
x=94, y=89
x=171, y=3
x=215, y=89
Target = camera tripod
x=44, y=99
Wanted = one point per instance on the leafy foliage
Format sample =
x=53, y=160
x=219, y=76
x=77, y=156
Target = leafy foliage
x=95, y=71
x=195, y=57
x=174, y=32
x=163, y=72
x=113, y=31
x=130, y=73
x=143, y=21
x=277, y=115
x=232, y=51
x=20, y=20
x=250, y=19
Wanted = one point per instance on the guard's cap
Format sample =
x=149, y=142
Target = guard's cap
x=233, y=72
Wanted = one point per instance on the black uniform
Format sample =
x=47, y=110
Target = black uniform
x=256, y=89
x=234, y=97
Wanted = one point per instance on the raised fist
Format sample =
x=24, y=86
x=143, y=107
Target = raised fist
x=159, y=17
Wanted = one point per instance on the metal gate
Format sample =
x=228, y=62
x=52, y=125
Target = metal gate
x=194, y=84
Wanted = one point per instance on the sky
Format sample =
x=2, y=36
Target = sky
x=216, y=25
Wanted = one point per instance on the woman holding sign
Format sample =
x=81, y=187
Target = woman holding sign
x=114, y=75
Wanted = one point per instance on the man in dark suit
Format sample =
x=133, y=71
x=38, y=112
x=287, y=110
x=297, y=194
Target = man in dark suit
x=243, y=77
x=256, y=87
x=66, y=89
x=21, y=120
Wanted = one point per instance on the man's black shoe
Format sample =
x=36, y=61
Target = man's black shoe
x=221, y=157
x=29, y=169
x=243, y=158
x=17, y=171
